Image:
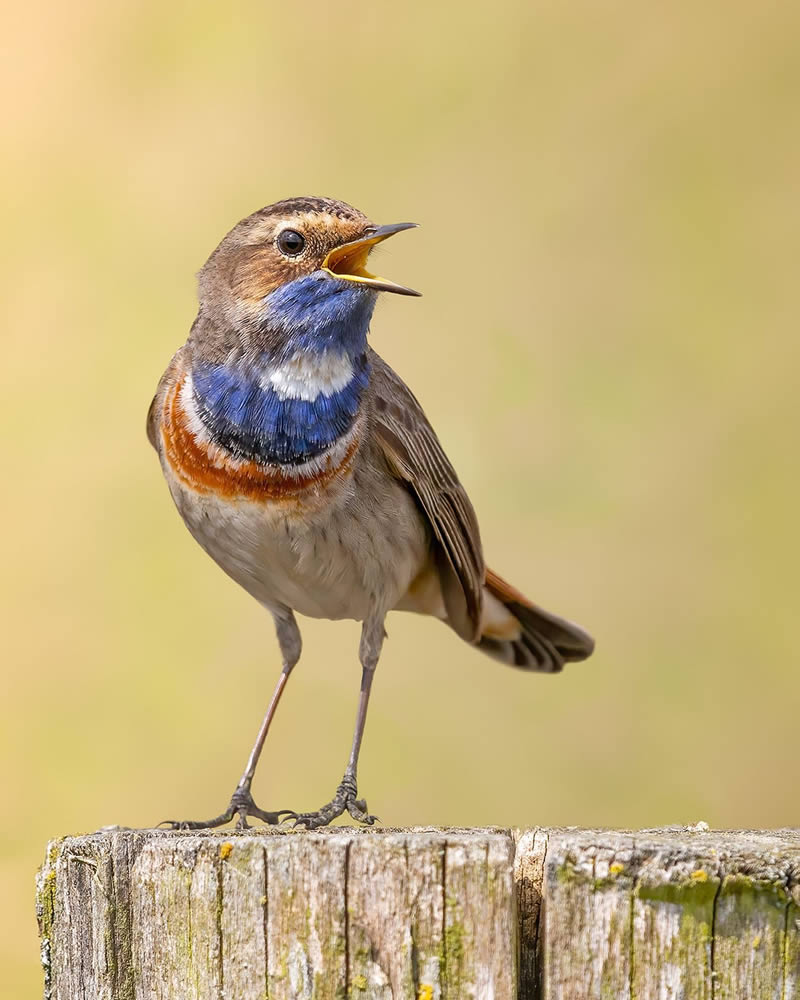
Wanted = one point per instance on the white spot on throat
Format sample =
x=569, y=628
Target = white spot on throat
x=309, y=375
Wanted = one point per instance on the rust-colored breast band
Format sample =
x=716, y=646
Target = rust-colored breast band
x=192, y=463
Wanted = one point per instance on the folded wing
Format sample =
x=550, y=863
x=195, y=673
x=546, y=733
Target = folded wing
x=414, y=454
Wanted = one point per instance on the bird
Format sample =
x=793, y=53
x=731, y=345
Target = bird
x=308, y=471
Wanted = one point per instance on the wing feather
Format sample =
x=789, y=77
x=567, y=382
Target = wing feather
x=414, y=454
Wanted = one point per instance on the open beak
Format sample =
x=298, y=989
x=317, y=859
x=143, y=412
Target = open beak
x=349, y=260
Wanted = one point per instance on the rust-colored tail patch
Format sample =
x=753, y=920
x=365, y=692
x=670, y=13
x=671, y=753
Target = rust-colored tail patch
x=544, y=641
x=504, y=591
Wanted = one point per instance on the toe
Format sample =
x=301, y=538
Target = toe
x=307, y=821
x=358, y=810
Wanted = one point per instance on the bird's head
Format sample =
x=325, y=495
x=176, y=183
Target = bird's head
x=296, y=270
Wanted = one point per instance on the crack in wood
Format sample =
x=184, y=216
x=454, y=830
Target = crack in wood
x=162, y=915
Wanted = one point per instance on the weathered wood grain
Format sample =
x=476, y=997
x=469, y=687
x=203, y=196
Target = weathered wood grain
x=162, y=915
x=791, y=969
x=670, y=915
x=396, y=935
x=753, y=933
x=480, y=921
x=673, y=919
x=677, y=914
x=587, y=917
x=306, y=916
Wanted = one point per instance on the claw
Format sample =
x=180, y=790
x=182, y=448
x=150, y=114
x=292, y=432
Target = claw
x=344, y=800
x=241, y=805
x=272, y=818
x=189, y=824
x=358, y=810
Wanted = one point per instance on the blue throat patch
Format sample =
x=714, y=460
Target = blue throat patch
x=245, y=415
x=256, y=424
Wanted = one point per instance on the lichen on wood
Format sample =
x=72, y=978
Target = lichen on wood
x=163, y=915
x=662, y=915
x=344, y=914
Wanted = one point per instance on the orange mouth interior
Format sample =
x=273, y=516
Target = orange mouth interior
x=349, y=261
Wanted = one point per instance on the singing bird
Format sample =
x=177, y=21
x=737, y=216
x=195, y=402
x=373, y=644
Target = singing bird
x=306, y=468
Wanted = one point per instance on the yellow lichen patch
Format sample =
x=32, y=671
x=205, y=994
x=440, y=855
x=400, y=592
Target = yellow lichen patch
x=52, y=854
x=360, y=982
x=263, y=900
x=226, y=850
x=616, y=868
x=757, y=941
x=425, y=992
x=699, y=876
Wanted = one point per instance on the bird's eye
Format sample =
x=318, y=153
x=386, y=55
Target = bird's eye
x=291, y=243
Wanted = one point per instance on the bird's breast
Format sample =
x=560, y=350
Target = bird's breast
x=233, y=459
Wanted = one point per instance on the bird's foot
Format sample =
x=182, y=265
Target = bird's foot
x=242, y=806
x=344, y=800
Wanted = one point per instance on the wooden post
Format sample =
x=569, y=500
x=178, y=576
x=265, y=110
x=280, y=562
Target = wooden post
x=421, y=914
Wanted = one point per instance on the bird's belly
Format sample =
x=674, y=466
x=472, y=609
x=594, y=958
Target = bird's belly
x=336, y=538
x=350, y=557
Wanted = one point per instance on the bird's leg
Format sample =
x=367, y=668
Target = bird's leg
x=372, y=636
x=242, y=803
x=242, y=800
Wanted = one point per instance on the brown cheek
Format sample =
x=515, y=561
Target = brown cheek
x=259, y=273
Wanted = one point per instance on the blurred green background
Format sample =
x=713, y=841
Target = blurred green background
x=607, y=346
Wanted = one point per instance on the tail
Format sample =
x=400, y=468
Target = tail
x=517, y=632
